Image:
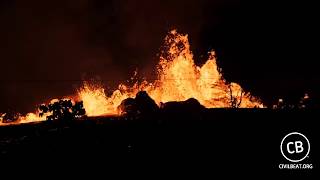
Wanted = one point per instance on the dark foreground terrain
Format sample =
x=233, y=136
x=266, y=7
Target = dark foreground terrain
x=240, y=141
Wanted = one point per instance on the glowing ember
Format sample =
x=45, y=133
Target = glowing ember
x=178, y=80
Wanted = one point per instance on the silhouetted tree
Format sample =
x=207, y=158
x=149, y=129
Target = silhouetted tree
x=235, y=99
x=62, y=110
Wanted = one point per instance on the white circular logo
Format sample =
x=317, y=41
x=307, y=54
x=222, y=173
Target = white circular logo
x=295, y=147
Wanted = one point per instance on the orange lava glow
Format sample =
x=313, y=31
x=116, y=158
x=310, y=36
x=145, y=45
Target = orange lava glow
x=179, y=79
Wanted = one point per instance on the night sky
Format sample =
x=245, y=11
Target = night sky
x=48, y=47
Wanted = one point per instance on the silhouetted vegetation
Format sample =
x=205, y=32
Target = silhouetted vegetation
x=62, y=110
x=234, y=101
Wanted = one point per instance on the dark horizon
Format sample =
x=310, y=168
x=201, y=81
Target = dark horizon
x=47, y=48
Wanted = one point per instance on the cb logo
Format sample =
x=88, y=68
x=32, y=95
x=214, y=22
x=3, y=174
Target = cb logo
x=295, y=147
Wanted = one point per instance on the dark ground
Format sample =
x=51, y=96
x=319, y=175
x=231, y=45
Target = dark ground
x=242, y=141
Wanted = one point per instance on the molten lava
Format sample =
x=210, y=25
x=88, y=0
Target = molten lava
x=178, y=80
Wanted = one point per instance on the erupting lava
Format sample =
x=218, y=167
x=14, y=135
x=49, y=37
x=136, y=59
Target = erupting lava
x=178, y=80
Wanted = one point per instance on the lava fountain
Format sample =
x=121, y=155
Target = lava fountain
x=179, y=79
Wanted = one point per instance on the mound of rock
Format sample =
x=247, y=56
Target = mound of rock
x=190, y=106
x=143, y=104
